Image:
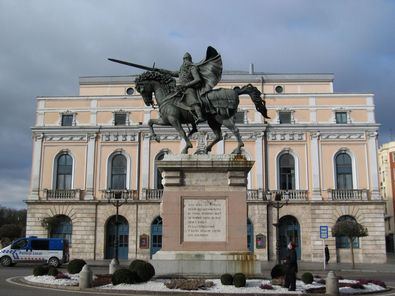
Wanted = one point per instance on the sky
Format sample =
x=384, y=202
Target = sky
x=46, y=45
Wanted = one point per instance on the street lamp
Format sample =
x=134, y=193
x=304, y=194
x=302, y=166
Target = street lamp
x=278, y=203
x=117, y=198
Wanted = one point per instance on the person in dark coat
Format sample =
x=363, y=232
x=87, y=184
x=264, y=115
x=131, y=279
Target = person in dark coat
x=327, y=256
x=291, y=267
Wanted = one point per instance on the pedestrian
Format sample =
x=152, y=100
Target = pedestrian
x=327, y=256
x=291, y=267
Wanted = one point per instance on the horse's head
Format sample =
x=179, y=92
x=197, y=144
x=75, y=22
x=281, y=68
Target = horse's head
x=149, y=81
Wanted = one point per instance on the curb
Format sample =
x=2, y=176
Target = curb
x=20, y=280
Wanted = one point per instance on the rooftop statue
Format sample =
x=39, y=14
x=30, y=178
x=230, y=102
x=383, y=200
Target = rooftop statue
x=194, y=100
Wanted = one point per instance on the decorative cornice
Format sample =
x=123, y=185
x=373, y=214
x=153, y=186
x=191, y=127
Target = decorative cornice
x=342, y=136
x=64, y=138
x=286, y=136
x=118, y=137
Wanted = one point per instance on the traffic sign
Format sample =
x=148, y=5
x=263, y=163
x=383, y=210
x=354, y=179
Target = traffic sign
x=324, y=232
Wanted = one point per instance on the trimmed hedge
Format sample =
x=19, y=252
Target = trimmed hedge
x=239, y=280
x=307, y=278
x=75, y=266
x=53, y=271
x=226, y=279
x=124, y=276
x=144, y=270
x=40, y=270
x=278, y=271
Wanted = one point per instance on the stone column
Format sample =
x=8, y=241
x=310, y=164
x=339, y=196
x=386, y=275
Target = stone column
x=259, y=160
x=36, y=166
x=372, y=158
x=145, y=164
x=315, y=166
x=90, y=166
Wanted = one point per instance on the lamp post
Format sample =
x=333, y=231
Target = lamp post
x=278, y=203
x=117, y=199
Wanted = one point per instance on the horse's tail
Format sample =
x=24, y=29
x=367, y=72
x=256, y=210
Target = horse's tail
x=255, y=95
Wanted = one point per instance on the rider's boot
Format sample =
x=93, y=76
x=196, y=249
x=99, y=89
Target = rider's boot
x=199, y=114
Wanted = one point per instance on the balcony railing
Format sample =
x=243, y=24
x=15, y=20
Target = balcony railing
x=59, y=194
x=292, y=194
x=152, y=194
x=347, y=194
x=255, y=194
x=119, y=194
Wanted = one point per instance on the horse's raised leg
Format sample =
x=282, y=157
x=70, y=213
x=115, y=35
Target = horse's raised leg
x=158, y=121
x=230, y=124
x=216, y=128
x=177, y=125
x=193, y=130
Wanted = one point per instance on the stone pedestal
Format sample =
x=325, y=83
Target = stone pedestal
x=204, y=214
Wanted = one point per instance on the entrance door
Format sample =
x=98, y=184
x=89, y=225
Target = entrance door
x=289, y=232
x=123, y=238
x=250, y=236
x=156, y=235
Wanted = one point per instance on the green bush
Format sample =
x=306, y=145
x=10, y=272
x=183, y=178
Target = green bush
x=124, y=276
x=144, y=270
x=239, y=280
x=53, y=271
x=40, y=270
x=278, y=271
x=307, y=277
x=75, y=266
x=226, y=279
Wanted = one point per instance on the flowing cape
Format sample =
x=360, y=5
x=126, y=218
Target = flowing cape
x=210, y=70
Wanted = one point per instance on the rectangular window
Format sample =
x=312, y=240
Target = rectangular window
x=120, y=119
x=239, y=117
x=285, y=117
x=40, y=244
x=67, y=119
x=341, y=117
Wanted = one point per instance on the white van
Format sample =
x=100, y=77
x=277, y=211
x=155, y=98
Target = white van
x=54, y=251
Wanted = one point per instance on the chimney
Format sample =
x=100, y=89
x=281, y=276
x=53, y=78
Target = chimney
x=251, y=68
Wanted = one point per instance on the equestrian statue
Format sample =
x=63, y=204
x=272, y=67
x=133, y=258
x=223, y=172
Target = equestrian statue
x=194, y=100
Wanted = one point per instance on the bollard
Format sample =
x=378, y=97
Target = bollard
x=114, y=266
x=332, y=284
x=85, y=277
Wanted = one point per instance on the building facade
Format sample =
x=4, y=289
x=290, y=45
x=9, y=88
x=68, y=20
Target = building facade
x=319, y=149
x=387, y=188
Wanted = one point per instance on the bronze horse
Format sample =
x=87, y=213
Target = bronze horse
x=220, y=106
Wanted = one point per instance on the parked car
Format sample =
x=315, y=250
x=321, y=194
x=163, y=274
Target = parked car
x=54, y=251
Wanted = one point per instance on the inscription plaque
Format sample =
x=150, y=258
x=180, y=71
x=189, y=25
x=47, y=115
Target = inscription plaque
x=204, y=220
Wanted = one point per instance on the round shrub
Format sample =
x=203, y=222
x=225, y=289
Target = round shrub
x=226, y=279
x=307, y=277
x=239, y=280
x=124, y=276
x=75, y=266
x=40, y=270
x=53, y=271
x=144, y=270
x=278, y=271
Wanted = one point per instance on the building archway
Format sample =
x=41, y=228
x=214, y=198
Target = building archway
x=250, y=235
x=123, y=237
x=289, y=232
x=156, y=235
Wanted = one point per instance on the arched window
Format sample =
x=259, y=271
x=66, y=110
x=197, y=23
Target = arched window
x=158, y=174
x=62, y=228
x=64, y=171
x=343, y=171
x=342, y=242
x=118, y=172
x=286, y=172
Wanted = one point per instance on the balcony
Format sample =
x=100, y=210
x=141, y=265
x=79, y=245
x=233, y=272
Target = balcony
x=62, y=194
x=152, y=194
x=255, y=194
x=292, y=194
x=347, y=194
x=119, y=194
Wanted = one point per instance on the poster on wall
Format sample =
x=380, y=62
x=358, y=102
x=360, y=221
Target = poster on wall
x=144, y=241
